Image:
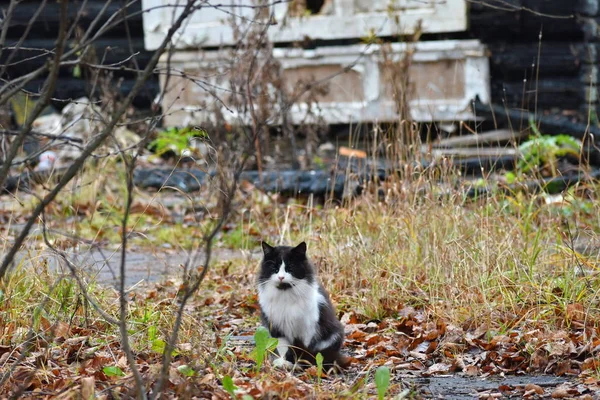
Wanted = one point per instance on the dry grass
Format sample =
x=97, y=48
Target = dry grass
x=510, y=256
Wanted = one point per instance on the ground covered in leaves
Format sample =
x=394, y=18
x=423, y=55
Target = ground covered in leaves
x=426, y=286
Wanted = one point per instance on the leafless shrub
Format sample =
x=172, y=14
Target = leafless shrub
x=103, y=118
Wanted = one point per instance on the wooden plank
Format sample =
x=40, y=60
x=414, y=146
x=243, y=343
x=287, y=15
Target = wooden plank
x=345, y=20
x=495, y=137
x=486, y=152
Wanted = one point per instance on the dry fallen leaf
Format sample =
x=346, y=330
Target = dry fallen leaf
x=439, y=368
x=530, y=387
x=575, y=313
x=471, y=370
x=87, y=387
x=560, y=393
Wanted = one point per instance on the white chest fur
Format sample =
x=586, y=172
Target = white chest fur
x=294, y=312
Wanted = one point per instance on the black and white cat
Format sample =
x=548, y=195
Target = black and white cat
x=296, y=309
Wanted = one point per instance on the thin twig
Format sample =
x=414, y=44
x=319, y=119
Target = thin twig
x=47, y=91
x=11, y=132
x=23, y=36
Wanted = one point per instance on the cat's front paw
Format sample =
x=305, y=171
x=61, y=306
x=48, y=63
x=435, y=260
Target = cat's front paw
x=283, y=363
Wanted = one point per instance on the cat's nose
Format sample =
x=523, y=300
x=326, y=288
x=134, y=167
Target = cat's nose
x=281, y=277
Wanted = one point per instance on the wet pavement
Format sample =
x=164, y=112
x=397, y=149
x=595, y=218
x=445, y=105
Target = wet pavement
x=103, y=265
x=453, y=387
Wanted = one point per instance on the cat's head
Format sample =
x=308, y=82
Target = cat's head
x=285, y=267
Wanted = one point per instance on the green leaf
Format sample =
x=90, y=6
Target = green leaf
x=152, y=333
x=158, y=345
x=113, y=371
x=382, y=381
x=229, y=386
x=37, y=314
x=319, y=359
x=510, y=178
x=262, y=342
x=186, y=370
x=77, y=71
x=173, y=139
x=272, y=344
x=543, y=150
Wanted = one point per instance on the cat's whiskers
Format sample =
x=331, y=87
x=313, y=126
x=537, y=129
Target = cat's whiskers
x=296, y=289
x=263, y=284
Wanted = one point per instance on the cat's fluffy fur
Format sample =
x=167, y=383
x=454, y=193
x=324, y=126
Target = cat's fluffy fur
x=297, y=309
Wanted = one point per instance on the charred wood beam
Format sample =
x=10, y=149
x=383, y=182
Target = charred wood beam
x=34, y=53
x=522, y=20
x=559, y=8
x=48, y=21
x=492, y=24
x=70, y=89
x=548, y=8
x=545, y=94
x=518, y=120
x=51, y=12
x=556, y=59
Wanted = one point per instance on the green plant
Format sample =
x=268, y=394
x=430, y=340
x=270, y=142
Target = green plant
x=382, y=381
x=175, y=139
x=113, y=371
x=543, y=151
x=319, y=360
x=229, y=386
x=264, y=343
x=186, y=370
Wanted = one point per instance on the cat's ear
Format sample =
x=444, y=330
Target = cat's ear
x=300, y=249
x=266, y=248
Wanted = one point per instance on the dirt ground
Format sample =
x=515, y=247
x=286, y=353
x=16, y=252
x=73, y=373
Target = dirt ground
x=146, y=267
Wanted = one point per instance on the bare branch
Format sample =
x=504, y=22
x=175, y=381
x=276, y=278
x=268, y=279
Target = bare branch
x=23, y=36
x=47, y=91
x=6, y=22
x=11, y=132
x=506, y=6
